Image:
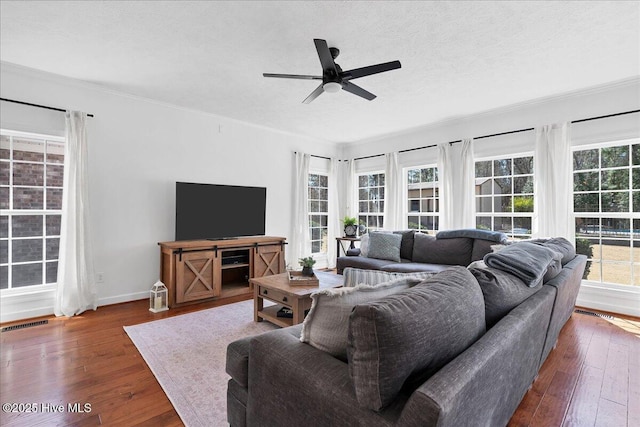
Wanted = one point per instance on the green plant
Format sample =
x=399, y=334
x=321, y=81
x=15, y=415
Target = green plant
x=349, y=220
x=584, y=247
x=307, y=262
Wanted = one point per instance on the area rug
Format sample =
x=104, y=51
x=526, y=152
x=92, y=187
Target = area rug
x=187, y=354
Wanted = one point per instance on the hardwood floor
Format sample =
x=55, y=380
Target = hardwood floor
x=592, y=378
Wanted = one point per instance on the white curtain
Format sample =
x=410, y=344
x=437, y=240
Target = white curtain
x=553, y=182
x=334, y=225
x=300, y=246
x=392, y=194
x=346, y=189
x=76, y=290
x=456, y=175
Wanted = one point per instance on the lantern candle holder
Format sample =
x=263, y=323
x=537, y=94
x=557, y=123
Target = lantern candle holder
x=158, y=300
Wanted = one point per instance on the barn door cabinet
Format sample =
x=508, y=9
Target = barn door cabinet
x=199, y=270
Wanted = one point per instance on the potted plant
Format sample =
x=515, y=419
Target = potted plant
x=350, y=226
x=307, y=265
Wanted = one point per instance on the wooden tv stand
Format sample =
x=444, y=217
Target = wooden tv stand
x=198, y=270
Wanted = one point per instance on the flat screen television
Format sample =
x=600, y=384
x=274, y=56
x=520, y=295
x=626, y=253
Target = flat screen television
x=210, y=211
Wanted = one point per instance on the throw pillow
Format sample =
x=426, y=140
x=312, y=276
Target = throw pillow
x=364, y=245
x=355, y=276
x=473, y=233
x=399, y=341
x=326, y=325
x=502, y=292
x=454, y=251
x=385, y=246
x=406, y=246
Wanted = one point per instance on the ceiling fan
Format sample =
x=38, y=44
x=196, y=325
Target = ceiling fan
x=333, y=78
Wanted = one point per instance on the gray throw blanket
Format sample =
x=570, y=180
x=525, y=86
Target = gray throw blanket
x=525, y=260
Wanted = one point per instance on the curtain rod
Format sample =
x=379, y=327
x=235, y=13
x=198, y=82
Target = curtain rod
x=46, y=107
x=317, y=157
x=502, y=133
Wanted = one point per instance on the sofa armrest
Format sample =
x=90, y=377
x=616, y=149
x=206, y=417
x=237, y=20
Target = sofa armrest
x=292, y=383
x=485, y=384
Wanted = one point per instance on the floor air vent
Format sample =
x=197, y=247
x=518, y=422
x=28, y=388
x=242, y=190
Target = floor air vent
x=591, y=313
x=24, y=325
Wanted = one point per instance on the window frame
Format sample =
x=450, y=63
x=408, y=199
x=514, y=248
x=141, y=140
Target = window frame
x=599, y=216
x=434, y=198
x=311, y=213
x=11, y=213
x=366, y=215
x=513, y=214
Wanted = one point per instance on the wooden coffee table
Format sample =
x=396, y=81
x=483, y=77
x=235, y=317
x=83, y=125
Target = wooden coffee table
x=276, y=288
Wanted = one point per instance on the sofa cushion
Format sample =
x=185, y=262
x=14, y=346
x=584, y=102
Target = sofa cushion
x=473, y=233
x=414, y=267
x=384, y=246
x=401, y=340
x=454, y=251
x=356, y=276
x=481, y=248
x=502, y=292
x=406, y=246
x=326, y=325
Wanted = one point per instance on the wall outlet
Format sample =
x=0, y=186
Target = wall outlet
x=100, y=277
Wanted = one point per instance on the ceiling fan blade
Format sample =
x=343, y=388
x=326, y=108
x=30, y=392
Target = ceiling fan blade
x=313, y=95
x=357, y=90
x=328, y=65
x=371, y=69
x=292, y=76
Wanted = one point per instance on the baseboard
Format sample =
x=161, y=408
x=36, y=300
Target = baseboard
x=618, y=299
x=21, y=307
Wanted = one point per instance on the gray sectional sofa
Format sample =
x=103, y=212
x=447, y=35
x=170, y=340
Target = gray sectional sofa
x=422, y=252
x=459, y=348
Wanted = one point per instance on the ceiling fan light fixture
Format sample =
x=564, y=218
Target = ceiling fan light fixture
x=331, y=87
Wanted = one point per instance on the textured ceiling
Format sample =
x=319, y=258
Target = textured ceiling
x=458, y=58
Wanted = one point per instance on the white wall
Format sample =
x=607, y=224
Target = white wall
x=610, y=99
x=138, y=150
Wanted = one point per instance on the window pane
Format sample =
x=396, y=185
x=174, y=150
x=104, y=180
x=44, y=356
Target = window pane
x=615, y=179
x=523, y=204
x=502, y=204
x=4, y=147
x=616, y=273
x=523, y=184
x=55, y=152
x=615, y=202
x=53, y=246
x=54, y=198
x=28, y=198
x=4, y=277
x=484, y=187
x=615, y=156
x=315, y=233
x=4, y=226
x=26, y=250
x=26, y=225
x=413, y=176
x=586, y=181
x=4, y=197
x=502, y=186
x=363, y=180
x=4, y=251
x=636, y=201
x=26, y=275
x=413, y=222
x=52, y=272
x=324, y=181
x=586, y=203
x=636, y=179
x=502, y=224
x=523, y=165
x=502, y=167
x=28, y=149
x=53, y=225
x=585, y=159
x=28, y=174
x=483, y=223
x=483, y=204
x=483, y=169
x=4, y=173
x=636, y=154
x=522, y=225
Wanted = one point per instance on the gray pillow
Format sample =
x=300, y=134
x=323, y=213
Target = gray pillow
x=502, y=292
x=399, y=341
x=454, y=251
x=356, y=276
x=326, y=325
x=558, y=244
x=385, y=246
x=473, y=233
x=364, y=245
x=406, y=246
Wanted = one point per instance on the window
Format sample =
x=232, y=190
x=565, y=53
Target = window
x=504, y=195
x=423, y=199
x=31, y=173
x=318, y=212
x=606, y=205
x=371, y=200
